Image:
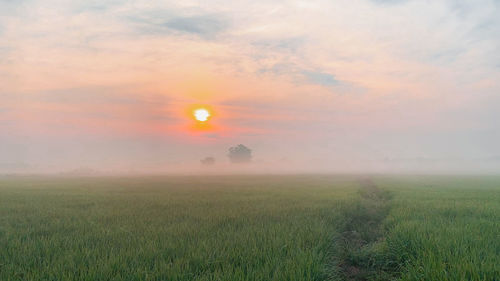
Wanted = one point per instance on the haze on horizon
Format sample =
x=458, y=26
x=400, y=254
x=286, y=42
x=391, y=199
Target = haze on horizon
x=346, y=86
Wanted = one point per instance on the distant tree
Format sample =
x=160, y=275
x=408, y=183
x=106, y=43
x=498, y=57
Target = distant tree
x=208, y=161
x=240, y=154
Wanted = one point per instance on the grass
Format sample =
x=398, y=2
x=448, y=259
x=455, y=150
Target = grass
x=357, y=254
x=422, y=229
x=250, y=228
x=444, y=228
x=176, y=228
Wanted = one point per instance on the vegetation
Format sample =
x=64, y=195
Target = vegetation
x=240, y=154
x=357, y=252
x=444, y=228
x=250, y=228
x=208, y=161
x=175, y=228
x=421, y=228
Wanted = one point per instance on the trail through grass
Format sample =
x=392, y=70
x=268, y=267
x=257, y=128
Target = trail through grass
x=356, y=246
x=421, y=229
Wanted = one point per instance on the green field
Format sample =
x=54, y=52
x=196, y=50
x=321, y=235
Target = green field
x=310, y=227
x=445, y=228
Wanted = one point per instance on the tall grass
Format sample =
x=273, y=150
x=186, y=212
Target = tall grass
x=444, y=228
x=175, y=228
x=250, y=228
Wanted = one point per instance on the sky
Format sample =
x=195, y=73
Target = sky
x=329, y=86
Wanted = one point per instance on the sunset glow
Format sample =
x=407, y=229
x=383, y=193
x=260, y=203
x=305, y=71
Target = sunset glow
x=337, y=79
x=201, y=114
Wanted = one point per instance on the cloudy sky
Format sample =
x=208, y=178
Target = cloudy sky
x=341, y=85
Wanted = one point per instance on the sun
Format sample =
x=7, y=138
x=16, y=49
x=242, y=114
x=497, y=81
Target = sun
x=201, y=114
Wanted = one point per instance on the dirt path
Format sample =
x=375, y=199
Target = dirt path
x=362, y=229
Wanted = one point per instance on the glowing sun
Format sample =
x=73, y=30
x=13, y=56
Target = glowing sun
x=201, y=114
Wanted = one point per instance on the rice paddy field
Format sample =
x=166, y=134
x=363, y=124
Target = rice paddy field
x=295, y=227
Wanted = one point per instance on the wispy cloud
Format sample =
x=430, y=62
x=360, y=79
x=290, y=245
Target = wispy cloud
x=97, y=95
x=168, y=22
x=205, y=25
x=290, y=44
x=389, y=2
x=301, y=76
x=320, y=78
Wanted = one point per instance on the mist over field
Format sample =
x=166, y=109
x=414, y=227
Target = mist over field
x=249, y=140
x=308, y=86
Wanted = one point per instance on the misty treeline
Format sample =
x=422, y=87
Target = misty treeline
x=237, y=154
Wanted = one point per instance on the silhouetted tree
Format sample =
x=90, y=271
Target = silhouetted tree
x=208, y=161
x=240, y=154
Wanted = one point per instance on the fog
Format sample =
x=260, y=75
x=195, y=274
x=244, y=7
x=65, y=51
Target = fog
x=135, y=157
x=108, y=87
